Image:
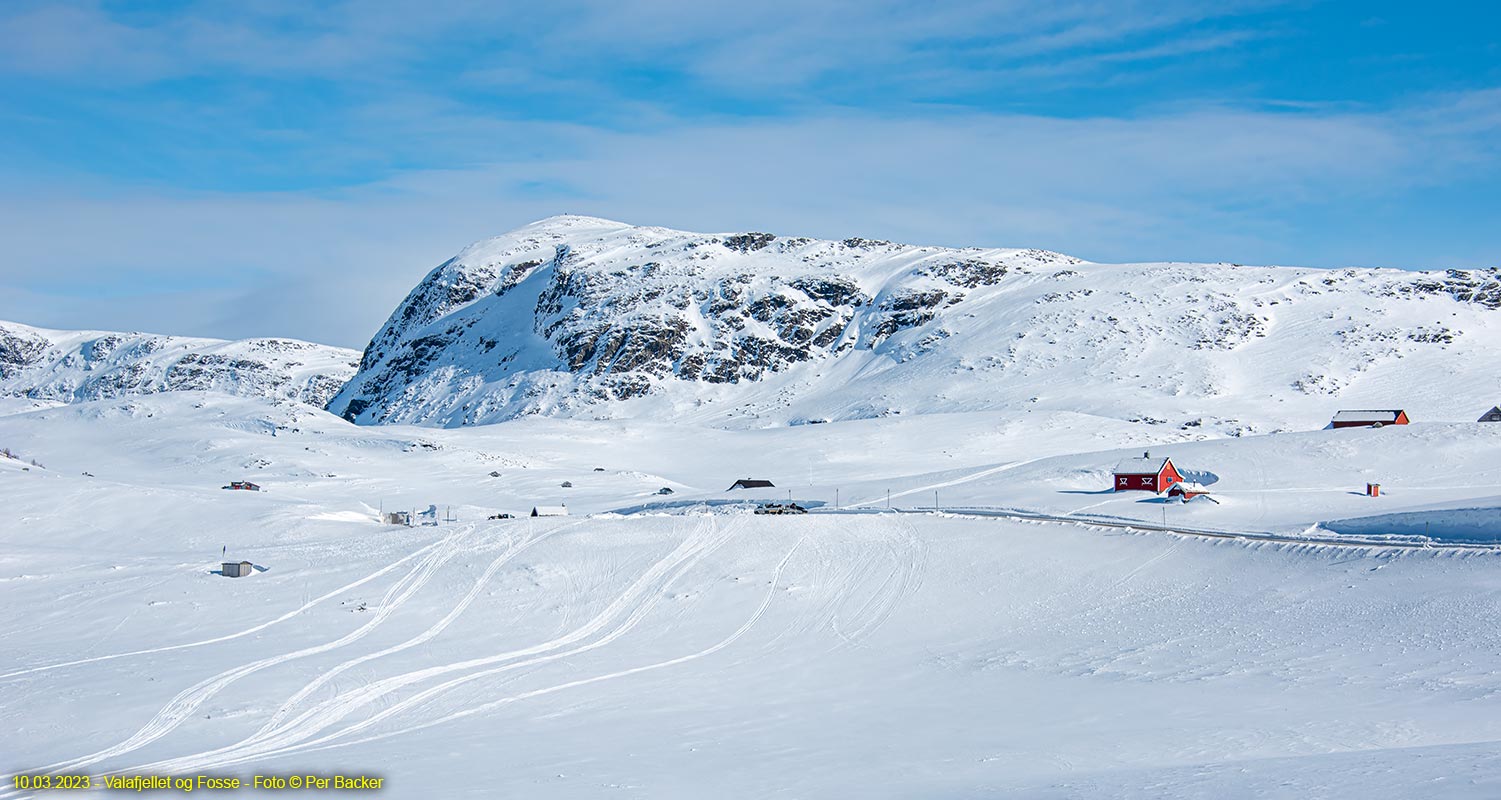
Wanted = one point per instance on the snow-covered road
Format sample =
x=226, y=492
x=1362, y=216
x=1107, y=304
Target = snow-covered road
x=1321, y=538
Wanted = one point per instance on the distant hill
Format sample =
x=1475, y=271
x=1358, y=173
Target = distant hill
x=70, y=366
x=576, y=316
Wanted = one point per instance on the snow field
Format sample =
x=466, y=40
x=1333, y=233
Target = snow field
x=682, y=653
x=886, y=655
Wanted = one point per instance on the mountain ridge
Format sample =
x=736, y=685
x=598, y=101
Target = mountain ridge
x=43, y=364
x=576, y=316
x=581, y=316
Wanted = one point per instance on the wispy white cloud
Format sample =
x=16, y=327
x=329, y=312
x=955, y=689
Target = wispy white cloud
x=412, y=127
x=742, y=46
x=1208, y=185
x=61, y=40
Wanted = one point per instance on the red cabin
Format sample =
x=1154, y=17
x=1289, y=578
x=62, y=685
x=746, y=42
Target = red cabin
x=1368, y=418
x=1146, y=474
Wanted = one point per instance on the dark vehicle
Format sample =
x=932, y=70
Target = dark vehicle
x=780, y=508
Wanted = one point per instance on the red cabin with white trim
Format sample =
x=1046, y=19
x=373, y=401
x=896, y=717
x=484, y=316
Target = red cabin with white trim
x=1146, y=474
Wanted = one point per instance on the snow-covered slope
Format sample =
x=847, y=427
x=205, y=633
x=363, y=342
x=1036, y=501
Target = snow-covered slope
x=69, y=366
x=1284, y=483
x=697, y=650
x=584, y=317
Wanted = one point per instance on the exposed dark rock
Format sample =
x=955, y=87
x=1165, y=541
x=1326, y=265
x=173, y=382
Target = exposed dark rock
x=746, y=242
x=19, y=351
x=968, y=274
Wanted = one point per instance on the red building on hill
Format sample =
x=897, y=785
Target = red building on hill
x=1146, y=474
x=1368, y=418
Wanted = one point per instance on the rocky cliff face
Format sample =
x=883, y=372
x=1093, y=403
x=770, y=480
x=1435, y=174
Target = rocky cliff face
x=70, y=366
x=581, y=316
x=573, y=311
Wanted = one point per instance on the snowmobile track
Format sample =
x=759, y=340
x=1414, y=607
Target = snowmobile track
x=227, y=637
x=292, y=735
x=326, y=742
x=179, y=708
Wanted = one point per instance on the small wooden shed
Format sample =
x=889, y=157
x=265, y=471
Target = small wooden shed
x=550, y=511
x=1188, y=490
x=750, y=483
x=1494, y=415
x=236, y=569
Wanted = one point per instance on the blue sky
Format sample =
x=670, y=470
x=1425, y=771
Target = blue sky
x=293, y=168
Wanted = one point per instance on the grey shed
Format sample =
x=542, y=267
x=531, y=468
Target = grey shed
x=236, y=569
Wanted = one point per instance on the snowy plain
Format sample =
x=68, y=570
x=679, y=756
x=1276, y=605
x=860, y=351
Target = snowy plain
x=678, y=646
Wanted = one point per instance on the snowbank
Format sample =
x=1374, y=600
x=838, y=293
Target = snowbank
x=1476, y=525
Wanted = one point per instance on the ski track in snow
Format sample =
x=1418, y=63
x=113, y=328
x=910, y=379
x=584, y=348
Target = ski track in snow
x=908, y=558
x=291, y=736
x=327, y=742
x=974, y=476
x=427, y=635
x=708, y=651
x=182, y=706
x=227, y=637
x=1145, y=565
x=914, y=564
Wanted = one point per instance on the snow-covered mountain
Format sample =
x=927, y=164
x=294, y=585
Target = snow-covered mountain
x=576, y=316
x=969, y=607
x=70, y=366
